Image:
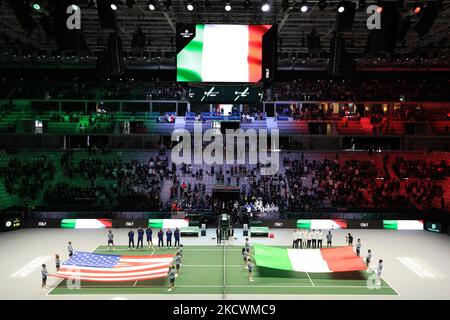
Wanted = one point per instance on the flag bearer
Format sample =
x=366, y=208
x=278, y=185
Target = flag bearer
x=358, y=247
x=70, y=249
x=250, y=269
x=171, y=275
x=44, y=273
x=177, y=262
x=379, y=270
x=368, y=258
x=57, y=262
x=110, y=239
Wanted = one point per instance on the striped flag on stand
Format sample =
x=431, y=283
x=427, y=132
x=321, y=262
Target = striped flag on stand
x=94, y=267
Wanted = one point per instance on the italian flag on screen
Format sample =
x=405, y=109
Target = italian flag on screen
x=403, y=224
x=222, y=53
x=86, y=223
x=321, y=224
x=168, y=223
x=341, y=259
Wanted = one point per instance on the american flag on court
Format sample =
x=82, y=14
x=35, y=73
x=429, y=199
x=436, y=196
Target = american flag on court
x=94, y=267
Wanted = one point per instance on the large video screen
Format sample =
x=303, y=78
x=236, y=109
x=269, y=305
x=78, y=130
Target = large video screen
x=226, y=53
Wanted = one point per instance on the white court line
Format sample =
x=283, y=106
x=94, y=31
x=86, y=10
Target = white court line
x=30, y=267
x=310, y=279
x=415, y=267
x=230, y=286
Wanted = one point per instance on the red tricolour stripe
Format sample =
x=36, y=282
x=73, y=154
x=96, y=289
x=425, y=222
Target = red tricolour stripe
x=254, y=59
x=342, y=259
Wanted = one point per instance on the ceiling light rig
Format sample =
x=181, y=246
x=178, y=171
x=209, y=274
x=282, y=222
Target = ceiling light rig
x=265, y=7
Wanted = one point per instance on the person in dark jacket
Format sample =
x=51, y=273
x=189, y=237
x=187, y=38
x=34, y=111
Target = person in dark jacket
x=176, y=235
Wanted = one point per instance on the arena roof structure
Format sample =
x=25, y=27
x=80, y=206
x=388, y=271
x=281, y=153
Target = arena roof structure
x=159, y=27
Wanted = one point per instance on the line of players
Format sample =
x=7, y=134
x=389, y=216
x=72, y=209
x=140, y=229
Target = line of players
x=309, y=239
x=149, y=235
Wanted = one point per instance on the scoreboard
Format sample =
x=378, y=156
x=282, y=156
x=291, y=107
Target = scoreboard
x=10, y=224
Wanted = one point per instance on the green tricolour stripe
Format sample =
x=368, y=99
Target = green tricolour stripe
x=270, y=257
x=68, y=223
x=304, y=224
x=155, y=223
x=390, y=224
x=189, y=59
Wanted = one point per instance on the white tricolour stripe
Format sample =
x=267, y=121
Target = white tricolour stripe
x=307, y=261
x=225, y=53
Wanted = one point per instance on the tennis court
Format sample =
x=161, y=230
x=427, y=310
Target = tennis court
x=221, y=270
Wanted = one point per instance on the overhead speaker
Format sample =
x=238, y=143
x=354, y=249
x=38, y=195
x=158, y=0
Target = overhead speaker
x=314, y=44
x=115, y=59
x=345, y=18
x=342, y=63
x=22, y=11
x=383, y=40
x=337, y=56
x=102, y=65
x=427, y=18
x=106, y=15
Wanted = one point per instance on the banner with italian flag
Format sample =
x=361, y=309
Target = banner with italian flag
x=86, y=223
x=321, y=224
x=341, y=259
x=223, y=53
x=403, y=224
x=168, y=223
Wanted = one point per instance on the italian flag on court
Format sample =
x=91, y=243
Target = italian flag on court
x=168, y=223
x=223, y=53
x=86, y=223
x=341, y=259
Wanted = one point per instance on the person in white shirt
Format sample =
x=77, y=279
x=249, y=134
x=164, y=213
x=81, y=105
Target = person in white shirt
x=379, y=270
x=309, y=237
x=314, y=238
x=300, y=239
x=305, y=237
x=319, y=239
x=294, y=239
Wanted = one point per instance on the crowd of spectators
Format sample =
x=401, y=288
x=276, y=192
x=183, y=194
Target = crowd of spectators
x=363, y=90
x=416, y=168
x=26, y=178
x=99, y=90
x=301, y=185
x=131, y=183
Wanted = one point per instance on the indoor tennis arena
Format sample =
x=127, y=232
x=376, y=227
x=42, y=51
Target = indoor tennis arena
x=223, y=150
